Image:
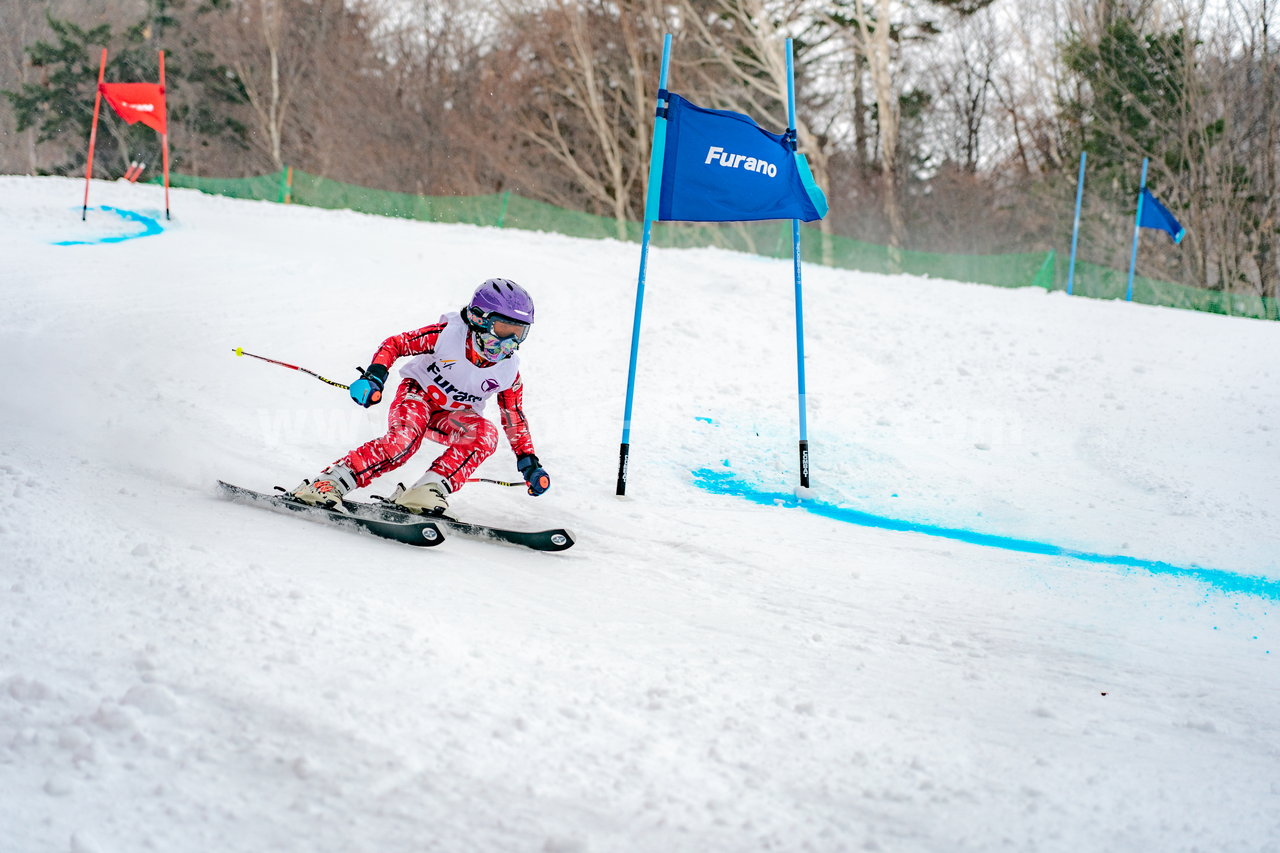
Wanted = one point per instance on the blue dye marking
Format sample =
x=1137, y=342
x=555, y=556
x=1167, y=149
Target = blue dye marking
x=706, y=420
x=725, y=483
x=150, y=227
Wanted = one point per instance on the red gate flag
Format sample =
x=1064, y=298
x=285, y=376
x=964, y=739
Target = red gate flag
x=133, y=102
x=137, y=102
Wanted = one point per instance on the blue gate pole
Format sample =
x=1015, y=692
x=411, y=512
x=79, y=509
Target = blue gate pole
x=1137, y=226
x=652, y=191
x=1075, y=229
x=795, y=253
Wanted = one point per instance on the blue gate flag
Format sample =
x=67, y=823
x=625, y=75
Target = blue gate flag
x=1156, y=215
x=720, y=166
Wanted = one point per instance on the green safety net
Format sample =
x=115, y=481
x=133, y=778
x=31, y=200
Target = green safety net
x=771, y=239
x=1102, y=282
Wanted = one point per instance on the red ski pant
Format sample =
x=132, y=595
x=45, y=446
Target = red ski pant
x=470, y=439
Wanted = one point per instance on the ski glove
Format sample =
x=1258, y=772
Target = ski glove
x=367, y=390
x=531, y=469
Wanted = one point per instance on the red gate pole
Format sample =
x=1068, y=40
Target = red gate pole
x=93, y=134
x=164, y=138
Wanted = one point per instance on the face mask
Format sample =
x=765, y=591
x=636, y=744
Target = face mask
x=496, y=337
x=494, y=348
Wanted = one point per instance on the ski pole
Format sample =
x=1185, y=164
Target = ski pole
x=240, y=351
x=494, y=482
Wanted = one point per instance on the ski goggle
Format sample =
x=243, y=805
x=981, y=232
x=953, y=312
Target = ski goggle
x=497, y=325
x=507, y=329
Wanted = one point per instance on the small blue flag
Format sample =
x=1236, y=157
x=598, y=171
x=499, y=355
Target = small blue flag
x=720, y=166
x=1156, y=215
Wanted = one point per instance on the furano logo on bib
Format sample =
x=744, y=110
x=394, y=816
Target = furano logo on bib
x=740, y=161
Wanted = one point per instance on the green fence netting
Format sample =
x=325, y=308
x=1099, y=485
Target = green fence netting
x=1102, y=282
x=771, y=239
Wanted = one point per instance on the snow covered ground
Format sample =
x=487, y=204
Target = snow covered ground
x=703, y=671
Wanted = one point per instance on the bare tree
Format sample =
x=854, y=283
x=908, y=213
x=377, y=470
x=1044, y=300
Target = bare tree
x=284, y=51
x=254, y=36
x=963, y=80
x=586, y=74
x=1258, y=89
x=872, y=40
x=438, y=134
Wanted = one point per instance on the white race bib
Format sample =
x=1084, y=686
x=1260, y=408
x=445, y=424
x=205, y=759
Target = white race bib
x=449, y=378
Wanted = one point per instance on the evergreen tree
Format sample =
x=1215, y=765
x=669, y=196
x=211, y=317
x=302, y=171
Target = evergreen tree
x=60, y=105
x=1134, y=94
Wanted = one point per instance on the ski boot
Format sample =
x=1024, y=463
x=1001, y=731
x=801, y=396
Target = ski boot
x=327, y=488
x=428, y=496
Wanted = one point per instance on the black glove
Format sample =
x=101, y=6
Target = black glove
x=367, y=390
x=531, y=469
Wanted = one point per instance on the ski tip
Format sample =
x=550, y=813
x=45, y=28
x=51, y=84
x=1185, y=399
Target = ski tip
x=559, y=540
x=563, y=540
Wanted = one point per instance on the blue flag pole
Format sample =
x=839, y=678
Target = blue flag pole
x=1137, y=228
x=1075, y=229
x=799, y=299
x=652, y=191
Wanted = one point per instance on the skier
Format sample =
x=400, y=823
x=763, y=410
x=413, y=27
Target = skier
x=461, y=362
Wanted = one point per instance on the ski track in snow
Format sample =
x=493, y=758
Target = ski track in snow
x=700, y=672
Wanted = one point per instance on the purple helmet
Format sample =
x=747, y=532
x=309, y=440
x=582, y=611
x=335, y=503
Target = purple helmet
x=503, y=296
x=500, y=314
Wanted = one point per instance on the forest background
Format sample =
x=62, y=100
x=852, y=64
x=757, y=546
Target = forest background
x=935, y=125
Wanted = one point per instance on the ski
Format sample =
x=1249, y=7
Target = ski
x=554, y=539
x=383, y=522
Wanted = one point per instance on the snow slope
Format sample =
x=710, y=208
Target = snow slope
x=703, y=671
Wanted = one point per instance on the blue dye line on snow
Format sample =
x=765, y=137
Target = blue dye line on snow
x=725, y=483
x=150, y=227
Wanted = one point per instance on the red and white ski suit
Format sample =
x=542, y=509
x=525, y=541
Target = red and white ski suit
x=418, y=412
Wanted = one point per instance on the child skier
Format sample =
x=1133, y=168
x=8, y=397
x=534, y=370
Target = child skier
x=461, y=362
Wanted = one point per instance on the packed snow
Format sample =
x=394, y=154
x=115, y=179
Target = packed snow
x=718, y=664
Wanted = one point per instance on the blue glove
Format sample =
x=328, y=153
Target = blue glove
x=367, y=390
x=531, y=469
